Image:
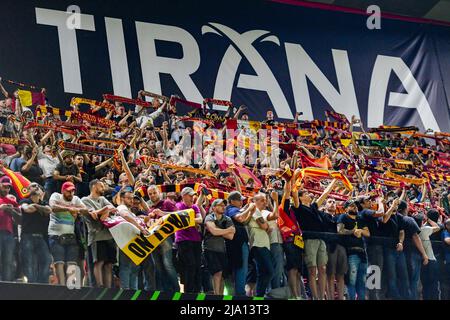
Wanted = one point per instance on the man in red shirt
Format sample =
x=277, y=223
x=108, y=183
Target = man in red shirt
x=9, y=213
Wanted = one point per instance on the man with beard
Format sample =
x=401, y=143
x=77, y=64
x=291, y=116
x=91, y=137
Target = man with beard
x=48, y=159
x=66, y=207
x=353, y=228
x=189, y=242
x=393, y=227
x=415, y=253
x=66, y=171
x=337, y=265
x=374, y=249
x=100, y=241
x=9, y=211
x=166, y=275
x=36, y=258
x=128, y=271
x=313, y=222
x=87, y=171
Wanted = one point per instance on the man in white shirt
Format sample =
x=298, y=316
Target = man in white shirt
x=276, y=242
x=430, y=272
x=128, y=271
x=144, y=120
x=66, y=207
x=259, y=240
x=48, y=163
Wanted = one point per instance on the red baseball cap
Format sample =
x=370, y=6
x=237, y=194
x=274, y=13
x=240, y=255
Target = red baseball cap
x=67, y=186
x=6, y=180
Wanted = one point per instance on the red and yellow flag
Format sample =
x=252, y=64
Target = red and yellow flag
x=323, y=162
x=28, y=98
x=19, y=182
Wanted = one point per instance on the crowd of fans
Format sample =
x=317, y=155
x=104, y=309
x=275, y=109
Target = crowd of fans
x=398, y=229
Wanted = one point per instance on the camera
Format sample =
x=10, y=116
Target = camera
x=205, y=191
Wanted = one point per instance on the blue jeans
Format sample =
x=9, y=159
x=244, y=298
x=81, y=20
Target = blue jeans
x=397, y=274
x=128, y=272
x=7, y=248
x=49, y=186
x=148, y=268
x=276, y=249
x=36, y=258
x=240, y=274
x=430, y=280
x=357, y=277
x=264, y=269
x=166, y=275
x=414, y=261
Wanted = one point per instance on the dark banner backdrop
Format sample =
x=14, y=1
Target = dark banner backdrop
x=263, y=54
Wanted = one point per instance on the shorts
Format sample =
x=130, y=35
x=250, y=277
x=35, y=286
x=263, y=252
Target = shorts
x=68, y=254
x=337, y=262
x=105, y=251
x=215, y=261
x=315, y=253
x=294, y=256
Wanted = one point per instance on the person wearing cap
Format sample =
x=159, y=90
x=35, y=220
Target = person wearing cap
x=189, y=244
x=353, y=228
x=36, y=257
x=218, y=227
x=238, y=249
x=9, y=216
x=66, y=209
x=66, y=171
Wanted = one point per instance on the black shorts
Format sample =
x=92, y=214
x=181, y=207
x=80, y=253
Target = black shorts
x=294, y=256
x=105, y=251
x=215, y=261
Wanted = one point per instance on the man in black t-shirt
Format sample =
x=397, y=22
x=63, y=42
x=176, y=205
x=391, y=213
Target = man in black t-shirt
x=393, y=228
x=337, y=265
x=36, y=256
x=354, y=228
x=66, y=171
x=374, y=248
x=314, y=223
x=414, y=250
x=87, y=172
